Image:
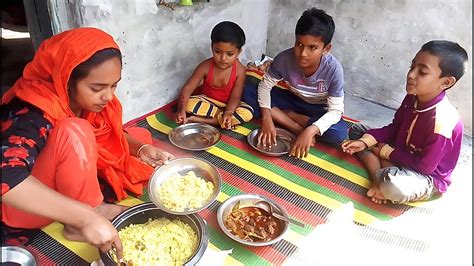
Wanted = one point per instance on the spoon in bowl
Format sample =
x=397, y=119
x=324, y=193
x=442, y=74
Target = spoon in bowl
x=268, y=207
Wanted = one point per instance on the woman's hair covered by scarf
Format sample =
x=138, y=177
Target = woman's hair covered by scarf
x=44, y=84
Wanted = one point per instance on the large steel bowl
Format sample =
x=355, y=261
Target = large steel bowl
x=247, y=200
x=181, y=166
x=141, y=213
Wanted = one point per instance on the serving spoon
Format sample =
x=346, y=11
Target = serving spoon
x=268, y=207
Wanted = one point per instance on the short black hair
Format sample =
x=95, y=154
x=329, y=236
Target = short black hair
x=228, y=31
x=317, y=23
x=82, y=70
x=452, y=57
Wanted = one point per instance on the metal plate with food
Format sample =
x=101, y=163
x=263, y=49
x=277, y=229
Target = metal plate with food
x=15, y=255
x=284, y=139
x=245, y=220
x=194, y=136
x=184, y=185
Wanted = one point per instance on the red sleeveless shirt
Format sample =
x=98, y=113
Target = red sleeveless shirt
x=221, y=94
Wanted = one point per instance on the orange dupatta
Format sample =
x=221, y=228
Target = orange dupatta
x=44, y=85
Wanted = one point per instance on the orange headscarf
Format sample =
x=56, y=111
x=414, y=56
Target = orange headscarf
x=44, y=85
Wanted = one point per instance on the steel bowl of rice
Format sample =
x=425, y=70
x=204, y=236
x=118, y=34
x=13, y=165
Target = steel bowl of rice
x=184, y=185
x=151, y=236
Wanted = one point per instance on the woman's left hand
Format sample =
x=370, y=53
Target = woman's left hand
x=154, y=156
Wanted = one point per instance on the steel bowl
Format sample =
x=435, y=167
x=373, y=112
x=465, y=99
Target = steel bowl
x=16, y=255
x=194, y=136
x=284, y=139
x=248, y=200
x=142, y=212
x=181, y=166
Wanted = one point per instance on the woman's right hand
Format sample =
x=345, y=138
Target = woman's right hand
x=100, y=232
x=267, y=135
x=180, y=117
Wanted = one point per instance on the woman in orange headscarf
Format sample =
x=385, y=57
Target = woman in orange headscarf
x=62, y=134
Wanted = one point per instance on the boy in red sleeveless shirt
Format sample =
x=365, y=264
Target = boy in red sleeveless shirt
x=221, y=80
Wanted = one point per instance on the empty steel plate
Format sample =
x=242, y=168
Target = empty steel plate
x=284, y=139
x=195, y=136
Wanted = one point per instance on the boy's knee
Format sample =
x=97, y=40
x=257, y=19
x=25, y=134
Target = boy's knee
x=335, y=136
x=357, y=130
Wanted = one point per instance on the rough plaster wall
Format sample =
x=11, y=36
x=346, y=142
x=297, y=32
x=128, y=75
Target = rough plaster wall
x=161, y=47
x=376, y=40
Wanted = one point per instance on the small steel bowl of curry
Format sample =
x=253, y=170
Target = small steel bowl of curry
x=245, y=221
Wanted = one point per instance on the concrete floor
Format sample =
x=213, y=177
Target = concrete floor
x=449, y=228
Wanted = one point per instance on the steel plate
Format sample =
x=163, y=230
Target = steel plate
x=284, y=139
x=194, y=136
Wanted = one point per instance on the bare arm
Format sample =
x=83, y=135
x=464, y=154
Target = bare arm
x=150, y=154
x=236, y=95
x=191, y=84
x=34, y=197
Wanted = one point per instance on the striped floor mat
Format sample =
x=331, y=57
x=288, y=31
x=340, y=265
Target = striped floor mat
x=310, y=189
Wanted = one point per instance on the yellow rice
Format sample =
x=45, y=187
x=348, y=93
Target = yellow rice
x=158, y=242
x=179, y=192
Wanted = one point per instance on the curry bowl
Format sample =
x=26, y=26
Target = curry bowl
x=284, y=139
x=184, y=185
x=142, y=213
x=259, y=228
x=194, y=136
x=16, y=255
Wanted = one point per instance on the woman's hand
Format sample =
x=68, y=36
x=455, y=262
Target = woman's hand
x=153, y=156
x=353, y=146
x=180, y=117
x=100, y=233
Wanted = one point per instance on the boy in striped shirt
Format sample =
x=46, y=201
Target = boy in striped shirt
x=314, y=103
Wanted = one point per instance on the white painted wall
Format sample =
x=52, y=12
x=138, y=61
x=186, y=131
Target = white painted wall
x=161, y=47
x=374, y=40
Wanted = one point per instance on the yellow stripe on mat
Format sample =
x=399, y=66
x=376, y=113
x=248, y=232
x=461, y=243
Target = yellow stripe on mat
x=330, y=167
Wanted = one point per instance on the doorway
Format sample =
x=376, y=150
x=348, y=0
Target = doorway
x=24, y=24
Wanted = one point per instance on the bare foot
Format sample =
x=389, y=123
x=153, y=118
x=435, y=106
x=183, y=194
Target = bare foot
x=110, y=211
x=376, y=195
x=73, y=234
x=302, y=120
